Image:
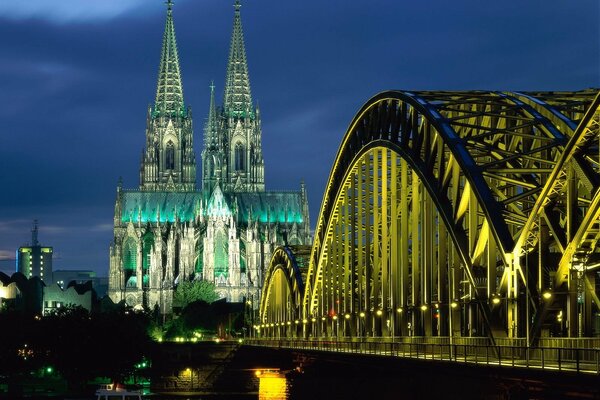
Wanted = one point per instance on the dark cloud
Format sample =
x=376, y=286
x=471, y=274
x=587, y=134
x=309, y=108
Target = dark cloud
x=74, y=93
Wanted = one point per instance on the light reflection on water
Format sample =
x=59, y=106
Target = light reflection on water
x=273, y=385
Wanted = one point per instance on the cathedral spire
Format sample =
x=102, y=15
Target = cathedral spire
x=169, y=91
x=238, y=98
x=211, y=125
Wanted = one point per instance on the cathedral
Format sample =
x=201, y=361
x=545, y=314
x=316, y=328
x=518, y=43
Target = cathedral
x=224, y=231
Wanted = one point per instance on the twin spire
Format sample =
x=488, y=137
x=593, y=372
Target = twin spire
x=238, y=98
x=169, y=92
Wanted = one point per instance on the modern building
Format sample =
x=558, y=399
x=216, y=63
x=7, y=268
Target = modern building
x=32, y=296
x=35, y=259
x=167, y=231
x=63, y=277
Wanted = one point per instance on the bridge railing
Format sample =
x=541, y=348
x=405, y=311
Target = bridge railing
x=581, y=360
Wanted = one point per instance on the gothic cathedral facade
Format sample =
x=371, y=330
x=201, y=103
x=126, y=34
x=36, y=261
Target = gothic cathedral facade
x=167, y=230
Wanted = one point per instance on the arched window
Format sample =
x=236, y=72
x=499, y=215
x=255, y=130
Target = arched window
x=170, y=156
x=130, y=255
x=242, y=257
x=147, y=244
x=221, y=262
x=239, y=157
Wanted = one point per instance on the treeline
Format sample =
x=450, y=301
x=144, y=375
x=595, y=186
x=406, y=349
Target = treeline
x=73, y=343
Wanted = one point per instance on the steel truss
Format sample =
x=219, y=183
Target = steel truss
x=454, y=214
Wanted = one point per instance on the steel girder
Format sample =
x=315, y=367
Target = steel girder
x=479, y=179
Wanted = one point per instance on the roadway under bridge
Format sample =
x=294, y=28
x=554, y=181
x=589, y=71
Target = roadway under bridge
x=452, y=218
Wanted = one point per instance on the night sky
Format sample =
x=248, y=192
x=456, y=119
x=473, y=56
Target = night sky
x=76, y=78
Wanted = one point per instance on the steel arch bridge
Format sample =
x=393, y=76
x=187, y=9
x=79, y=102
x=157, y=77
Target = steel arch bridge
x=453, y=214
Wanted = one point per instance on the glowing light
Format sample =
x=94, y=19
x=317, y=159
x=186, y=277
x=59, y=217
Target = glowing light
x=362, y=314
x=296, y=322
x=334, y=317
x=240, y=340
x=454, y=304
x=379, y=313
x=314, y=319
x=547, y=295
x=496, y=300
x=424, y=307
x=323, y=319
x=399, y=310
x=347, y=316
x=304, y=321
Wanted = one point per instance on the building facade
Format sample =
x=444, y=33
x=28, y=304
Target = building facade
x=35, y=259
x=167, y=231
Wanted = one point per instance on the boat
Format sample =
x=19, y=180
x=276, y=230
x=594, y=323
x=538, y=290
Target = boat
x=115, y=391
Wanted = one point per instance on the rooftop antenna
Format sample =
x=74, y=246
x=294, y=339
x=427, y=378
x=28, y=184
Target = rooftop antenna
x=34, y=233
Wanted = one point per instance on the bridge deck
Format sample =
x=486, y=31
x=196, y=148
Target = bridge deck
x=579, y=360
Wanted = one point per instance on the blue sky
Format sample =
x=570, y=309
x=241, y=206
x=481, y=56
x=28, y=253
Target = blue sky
x=76, y=78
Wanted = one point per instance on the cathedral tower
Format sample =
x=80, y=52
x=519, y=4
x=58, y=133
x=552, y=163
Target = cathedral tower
x=167, y=232
x=168, y=162
x=233, y=152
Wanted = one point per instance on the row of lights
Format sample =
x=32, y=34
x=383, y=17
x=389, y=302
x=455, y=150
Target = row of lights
x=362, y=314
x=547, y=295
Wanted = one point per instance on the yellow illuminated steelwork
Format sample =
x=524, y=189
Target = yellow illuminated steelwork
x=436, y=196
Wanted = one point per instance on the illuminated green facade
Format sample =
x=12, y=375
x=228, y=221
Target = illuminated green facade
x=167, y=231
x=35, y=260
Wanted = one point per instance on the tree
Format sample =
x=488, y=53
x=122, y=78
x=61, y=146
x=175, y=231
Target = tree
x=190, y=291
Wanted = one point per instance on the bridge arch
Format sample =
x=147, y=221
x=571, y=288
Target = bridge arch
x=438, y=203
x=281, y=300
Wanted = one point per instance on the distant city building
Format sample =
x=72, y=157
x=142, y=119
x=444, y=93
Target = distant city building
x=167, y=231
x=35, y=260
x=74, y=294
x=32, y=296
x=65, y=276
